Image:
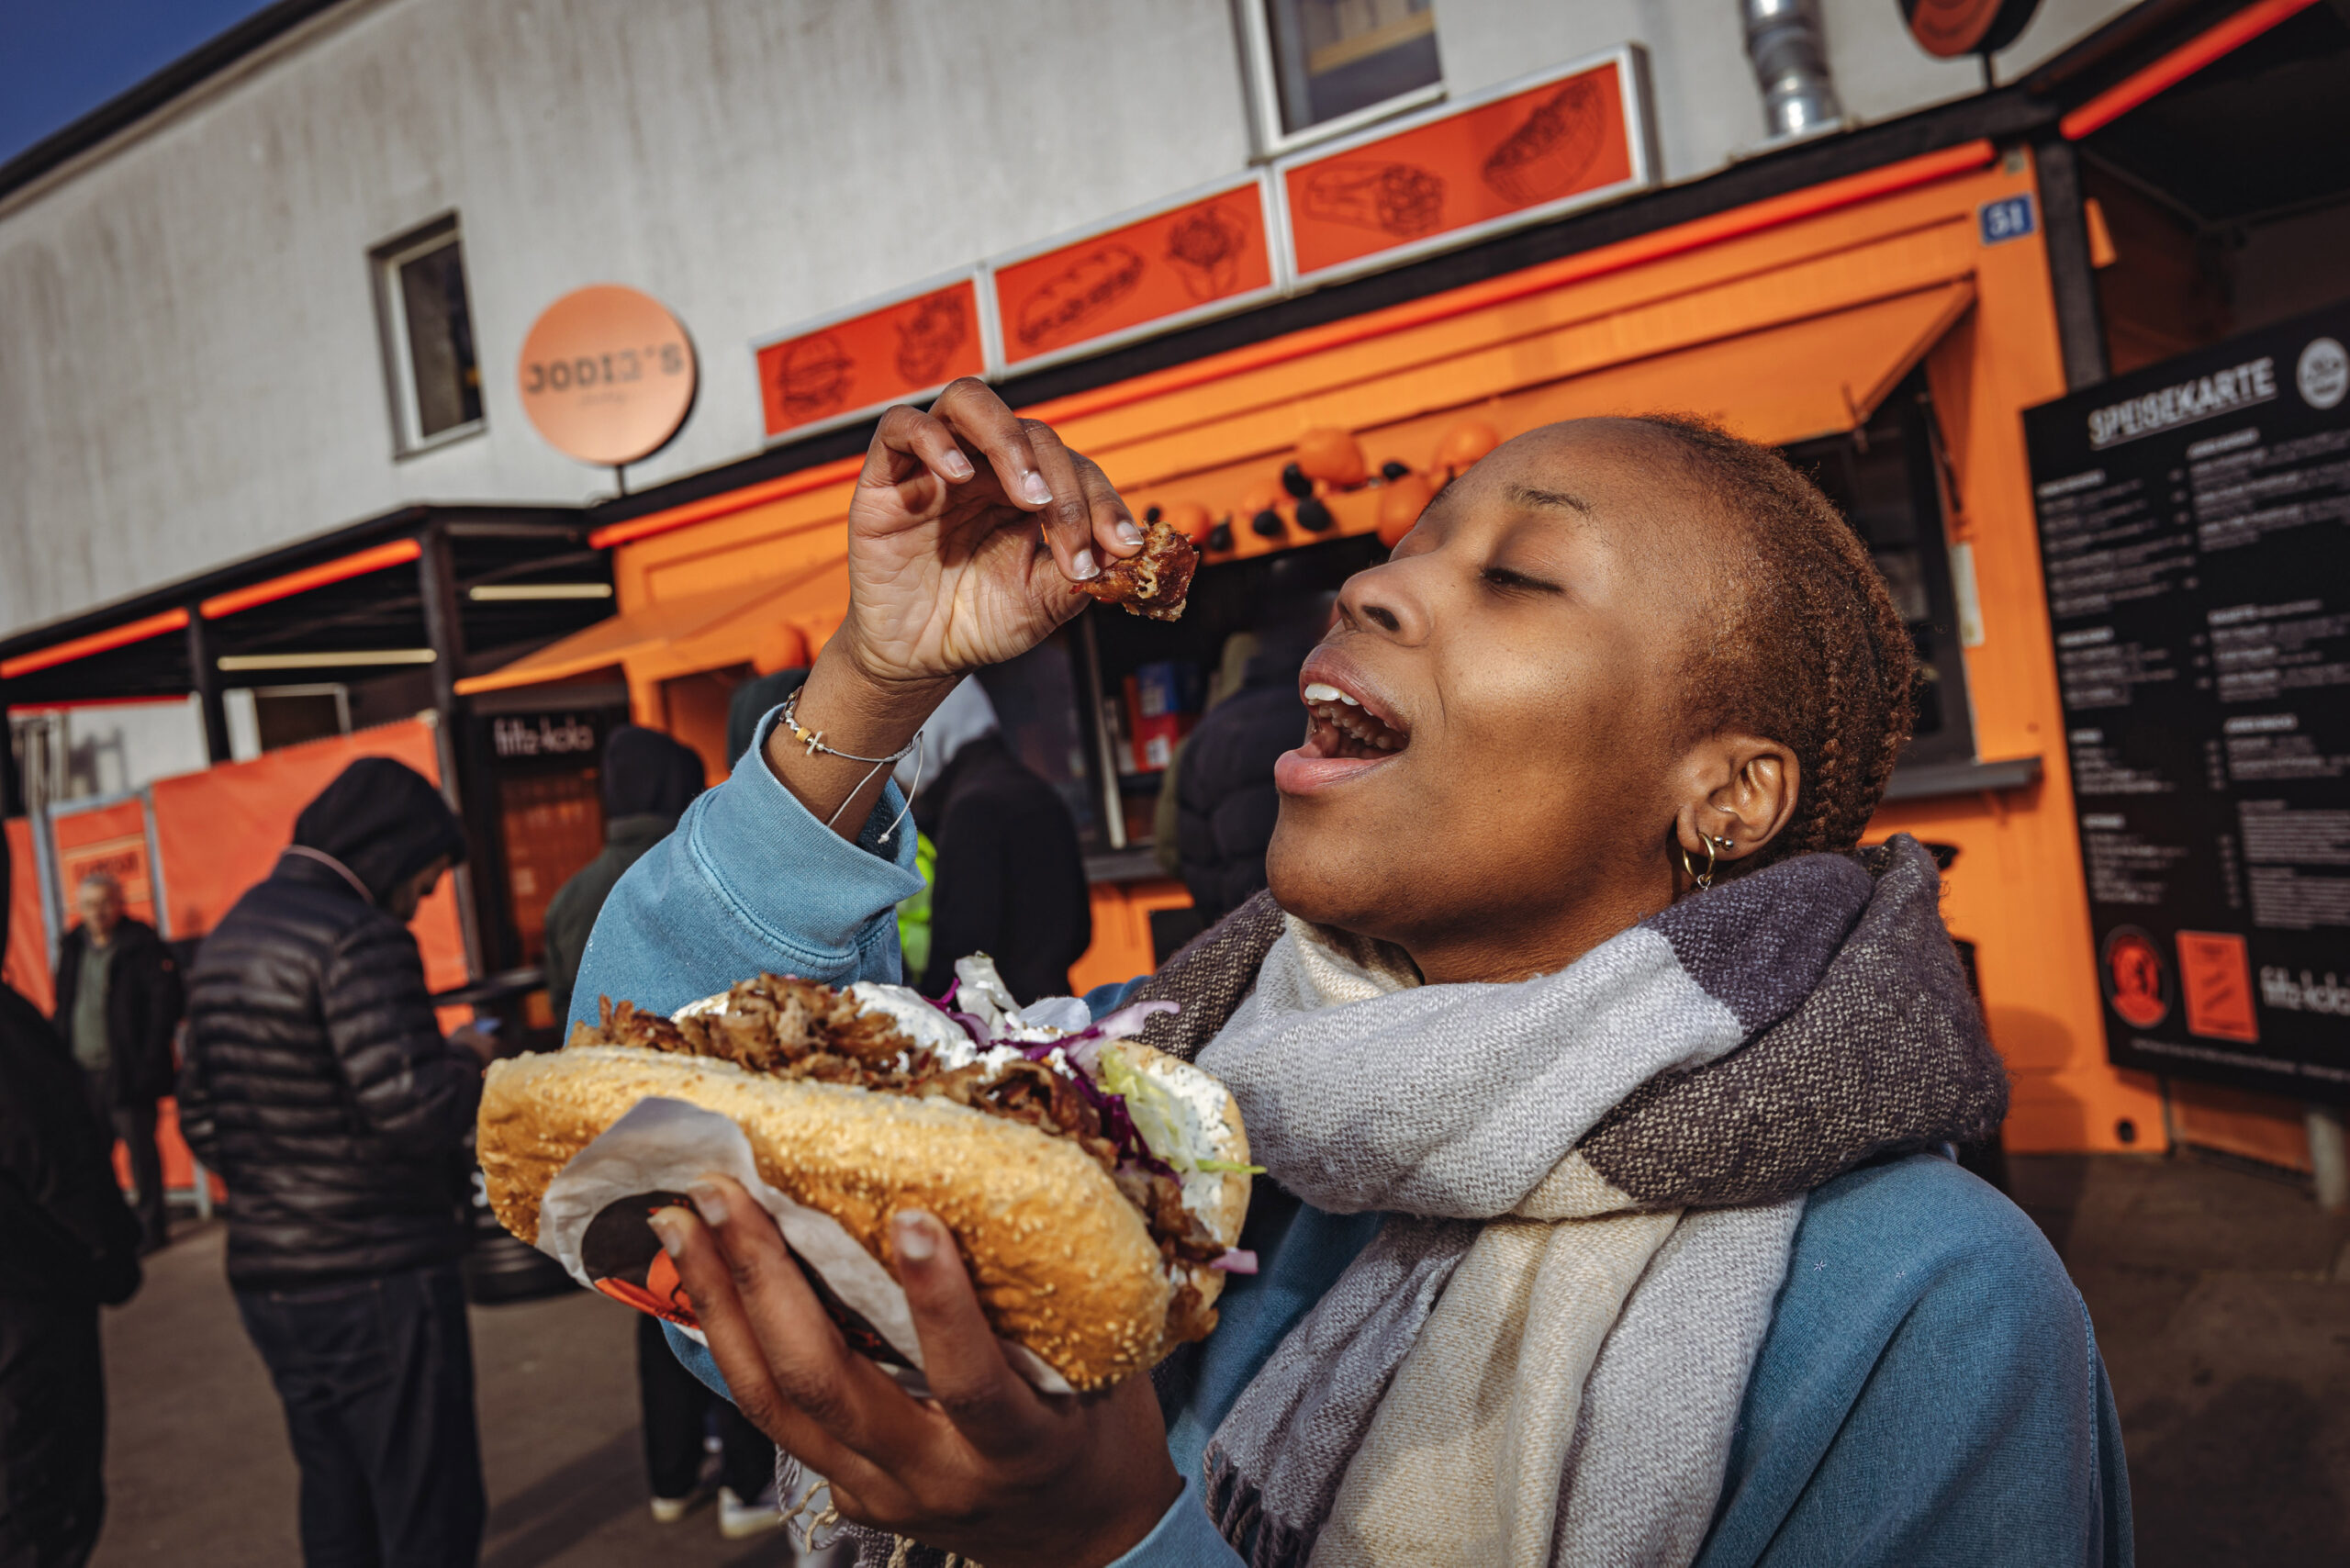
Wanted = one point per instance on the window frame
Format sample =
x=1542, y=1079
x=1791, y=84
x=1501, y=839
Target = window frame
x=384, y=262
x=1261, y=74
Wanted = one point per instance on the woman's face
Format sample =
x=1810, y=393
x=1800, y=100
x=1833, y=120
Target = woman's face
x=1499, y=796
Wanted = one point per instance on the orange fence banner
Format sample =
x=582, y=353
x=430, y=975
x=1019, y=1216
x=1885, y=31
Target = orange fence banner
x=1459, y=173
x=111, y=838
x=26, y=965
x=834, y=372
x=1199, y=257
x=219, y=832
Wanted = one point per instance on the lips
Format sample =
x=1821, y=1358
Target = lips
x=1354, y=729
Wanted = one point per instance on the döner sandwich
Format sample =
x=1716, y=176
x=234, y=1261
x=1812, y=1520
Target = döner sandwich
x=1095, y=1186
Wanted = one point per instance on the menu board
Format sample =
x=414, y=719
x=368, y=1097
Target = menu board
x=2195, y=531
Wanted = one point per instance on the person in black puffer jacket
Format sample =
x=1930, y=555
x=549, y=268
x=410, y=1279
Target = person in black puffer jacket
x=317, y=1084
x=67, y=1244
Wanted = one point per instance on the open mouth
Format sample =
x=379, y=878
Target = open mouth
x=1343, y=727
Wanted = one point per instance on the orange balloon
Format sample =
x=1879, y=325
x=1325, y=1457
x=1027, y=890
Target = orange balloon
x=1400, y=504
x=1333, y=457
x=1190, y=520
x=1464, y=444
x=1263, y=497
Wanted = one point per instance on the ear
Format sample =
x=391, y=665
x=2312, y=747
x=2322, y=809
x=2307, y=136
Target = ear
x=1737, y=787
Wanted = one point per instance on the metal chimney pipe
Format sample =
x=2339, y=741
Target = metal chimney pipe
x=1790, y=56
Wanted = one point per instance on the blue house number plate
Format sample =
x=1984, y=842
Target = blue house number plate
x=2009, y=217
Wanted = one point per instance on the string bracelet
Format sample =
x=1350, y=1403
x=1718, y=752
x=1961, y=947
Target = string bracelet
x=814, y=741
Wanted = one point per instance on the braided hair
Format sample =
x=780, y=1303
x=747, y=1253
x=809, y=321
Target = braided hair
x=1805, y=644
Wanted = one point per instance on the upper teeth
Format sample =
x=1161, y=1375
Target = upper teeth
x=1315, y=691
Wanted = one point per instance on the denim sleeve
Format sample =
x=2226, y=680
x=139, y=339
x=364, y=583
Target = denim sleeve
x=1929, y=1393
x=1184, y=1538
x=751, y=882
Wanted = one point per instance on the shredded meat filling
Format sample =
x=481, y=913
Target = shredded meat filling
x=1154, y=580
x=796, y=1028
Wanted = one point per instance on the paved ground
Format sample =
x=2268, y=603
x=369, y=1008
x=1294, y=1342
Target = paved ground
x=2222, y=1299
x=198, y=1471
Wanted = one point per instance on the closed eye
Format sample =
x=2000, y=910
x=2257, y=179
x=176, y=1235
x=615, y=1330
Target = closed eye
x=1508, y=581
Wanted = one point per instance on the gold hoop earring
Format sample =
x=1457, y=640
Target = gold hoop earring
x=1714, y=845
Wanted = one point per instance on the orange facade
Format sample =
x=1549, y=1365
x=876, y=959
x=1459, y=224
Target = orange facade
x=1789, y=320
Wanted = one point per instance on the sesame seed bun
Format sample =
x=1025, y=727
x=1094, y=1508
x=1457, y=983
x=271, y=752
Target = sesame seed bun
x=1062, y=1262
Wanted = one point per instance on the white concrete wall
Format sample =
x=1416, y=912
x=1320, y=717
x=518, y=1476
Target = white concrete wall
x=189, y=359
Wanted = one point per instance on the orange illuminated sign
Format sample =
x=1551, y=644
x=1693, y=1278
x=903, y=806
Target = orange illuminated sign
x=1188, y=260
x=2215, y=976
x=608, y=375
x=832, y=372
x=110, y=839
x=1459, y=174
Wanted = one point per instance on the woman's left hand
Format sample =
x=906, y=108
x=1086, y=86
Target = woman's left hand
x=987, y=1466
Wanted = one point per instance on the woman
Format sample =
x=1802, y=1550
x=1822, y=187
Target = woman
x=1591, y=1233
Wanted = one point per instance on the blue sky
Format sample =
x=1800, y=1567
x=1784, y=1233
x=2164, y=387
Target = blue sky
x=60, y=59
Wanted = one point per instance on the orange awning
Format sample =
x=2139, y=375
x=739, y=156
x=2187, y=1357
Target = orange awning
x=670, y=633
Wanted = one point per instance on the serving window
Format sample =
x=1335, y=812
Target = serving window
x=1883, y=477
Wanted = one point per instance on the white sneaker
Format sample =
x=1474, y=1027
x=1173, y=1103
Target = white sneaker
x=737, y=1519
x=669, y=1510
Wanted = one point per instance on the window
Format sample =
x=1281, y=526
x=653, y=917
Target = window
x=427, y=337
x=1320, y=67
x=1884, y=478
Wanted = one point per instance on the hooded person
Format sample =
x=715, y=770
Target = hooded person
x=1010, y=878
x=318, y=1085
x=648, y=782
x=67, y=1245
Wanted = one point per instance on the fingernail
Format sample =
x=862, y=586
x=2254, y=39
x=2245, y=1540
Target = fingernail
x=1127, y=532
x=914, y=1242
x=1082, y=565
x=1033, y=486
x=708, y=1203
x=957, y=467
x=668, y=1225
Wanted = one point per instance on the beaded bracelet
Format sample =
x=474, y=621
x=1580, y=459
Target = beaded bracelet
x=814, y=741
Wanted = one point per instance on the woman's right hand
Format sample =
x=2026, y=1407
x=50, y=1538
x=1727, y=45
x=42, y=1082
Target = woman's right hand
x=947, y=573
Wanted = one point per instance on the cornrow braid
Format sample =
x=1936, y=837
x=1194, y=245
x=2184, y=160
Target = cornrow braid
x=1804, y=646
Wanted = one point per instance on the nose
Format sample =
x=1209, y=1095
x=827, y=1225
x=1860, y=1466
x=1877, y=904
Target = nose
x=1385, y=601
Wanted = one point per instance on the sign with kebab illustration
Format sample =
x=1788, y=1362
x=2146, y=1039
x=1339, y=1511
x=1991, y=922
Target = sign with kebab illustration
x=1456, y=174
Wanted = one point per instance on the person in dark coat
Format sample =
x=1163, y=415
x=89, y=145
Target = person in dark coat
x=1010, y=873
x=67, y=1246
x=1224, y=799
x=648, y=782
x=119, y=1027
x=320, y=1087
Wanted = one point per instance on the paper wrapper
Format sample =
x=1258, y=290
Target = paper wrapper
x=592, y=1222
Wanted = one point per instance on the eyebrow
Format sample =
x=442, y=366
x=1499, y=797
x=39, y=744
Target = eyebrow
x=1531, y=496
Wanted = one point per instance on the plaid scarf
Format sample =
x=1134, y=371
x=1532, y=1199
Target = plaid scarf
x=1593, y=1180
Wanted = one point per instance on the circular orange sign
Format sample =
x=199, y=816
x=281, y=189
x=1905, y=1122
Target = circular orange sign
x=2137, y=982
x=608, y=375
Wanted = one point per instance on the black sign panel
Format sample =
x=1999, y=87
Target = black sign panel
x=574, y=739
x=2195, y=531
